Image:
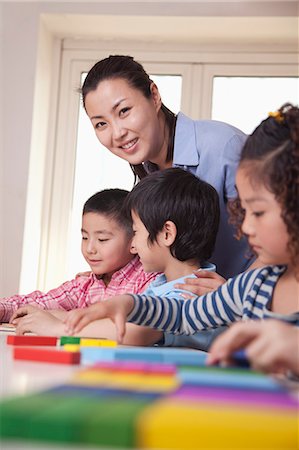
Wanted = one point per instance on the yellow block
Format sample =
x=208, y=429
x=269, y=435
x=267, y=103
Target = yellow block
x=123, y=380
x=71, y=347
x=173, y=424
x=84, y=342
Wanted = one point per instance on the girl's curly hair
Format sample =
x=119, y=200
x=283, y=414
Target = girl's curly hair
x=271, y=156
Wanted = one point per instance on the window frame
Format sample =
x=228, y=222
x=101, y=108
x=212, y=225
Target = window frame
x=197, y=69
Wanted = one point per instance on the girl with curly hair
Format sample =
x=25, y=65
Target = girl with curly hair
x=268, y=207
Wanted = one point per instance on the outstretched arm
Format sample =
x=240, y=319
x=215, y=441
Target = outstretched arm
x=174, y=315
x=116, y=308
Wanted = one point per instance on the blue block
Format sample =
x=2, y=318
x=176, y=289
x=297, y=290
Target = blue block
x=91, y=355
x=166, y=355
x=95, y=391
x=228, y=380
x=184, y=357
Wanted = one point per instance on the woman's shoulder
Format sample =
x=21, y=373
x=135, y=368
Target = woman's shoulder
x=209, y=125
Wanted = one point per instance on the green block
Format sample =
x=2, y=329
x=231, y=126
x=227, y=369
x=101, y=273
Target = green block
x=56, y=417
x=69, y=340
x=225, y=370
x=62, y=422
x=115, y=426
x=16, y=414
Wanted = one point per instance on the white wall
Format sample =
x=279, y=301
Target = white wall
x=19, y=28
x=20, y=31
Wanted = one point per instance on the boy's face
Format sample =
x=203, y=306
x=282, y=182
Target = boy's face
x=105, y=244
x=151, y=254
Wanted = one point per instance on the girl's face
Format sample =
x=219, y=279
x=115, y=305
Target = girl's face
x=125, y=121
x=263, y=224
x=105, y=244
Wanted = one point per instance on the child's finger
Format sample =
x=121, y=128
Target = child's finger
x=70, y=323
x=236, y=338
x=81, y=323
x=18, y=313
x=205, y=273
x=195, y=289
x=120, y=328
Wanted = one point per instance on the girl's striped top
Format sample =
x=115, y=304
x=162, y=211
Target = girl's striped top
x=244, y=297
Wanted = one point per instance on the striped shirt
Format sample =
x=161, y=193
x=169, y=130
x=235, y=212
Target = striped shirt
x=246, y=296
x=82, y=291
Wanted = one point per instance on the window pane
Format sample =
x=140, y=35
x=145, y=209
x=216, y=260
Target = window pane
x=97, y=168
x=170, y=88
x=245, y=101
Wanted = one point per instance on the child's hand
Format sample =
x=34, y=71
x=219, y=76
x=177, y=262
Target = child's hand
x=21, y=312
x=40, y=322
x=116, y=308
x=205, y=282
x=271, y=345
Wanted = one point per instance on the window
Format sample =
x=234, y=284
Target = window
x=216, y=85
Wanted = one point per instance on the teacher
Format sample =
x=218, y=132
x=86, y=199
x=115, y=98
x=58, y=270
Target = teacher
x=130, y=120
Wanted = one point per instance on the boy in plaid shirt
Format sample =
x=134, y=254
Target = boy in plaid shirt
x=106, y=246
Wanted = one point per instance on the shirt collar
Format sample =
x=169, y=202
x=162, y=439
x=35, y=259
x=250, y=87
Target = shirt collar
x=184, y=152
x=124, y=272
x=160, y=285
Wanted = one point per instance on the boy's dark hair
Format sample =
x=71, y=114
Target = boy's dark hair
x=271, y=157
x=190, y=203
x=126, y=68
x=110, y=202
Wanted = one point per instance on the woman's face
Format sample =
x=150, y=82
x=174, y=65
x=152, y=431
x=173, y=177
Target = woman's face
x=125, y=121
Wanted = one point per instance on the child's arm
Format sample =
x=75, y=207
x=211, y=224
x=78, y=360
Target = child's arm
x=65, y=297
x=40, y=322
x=271, y=345
x=29, y=309
x=116, y=308
x=45, y=323
x=177, y=316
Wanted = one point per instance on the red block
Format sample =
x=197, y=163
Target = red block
x=31, y=340
x=46, y=355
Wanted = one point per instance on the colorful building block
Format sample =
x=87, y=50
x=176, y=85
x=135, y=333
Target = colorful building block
x=161, y=355
x=31, y=340
x=172, y=424
x=46, y=355
x=71, y=347
x=246, y=398
x=135, y=367
x=235, y=379
x=127, y=380
x=84, y=342
x=53, y=417
x=69, y=340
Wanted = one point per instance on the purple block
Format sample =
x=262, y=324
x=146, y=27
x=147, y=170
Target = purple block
x=136, y=366
x=259, y=399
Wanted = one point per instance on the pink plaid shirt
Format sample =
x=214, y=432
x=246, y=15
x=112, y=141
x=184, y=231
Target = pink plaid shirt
x=82, y=291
